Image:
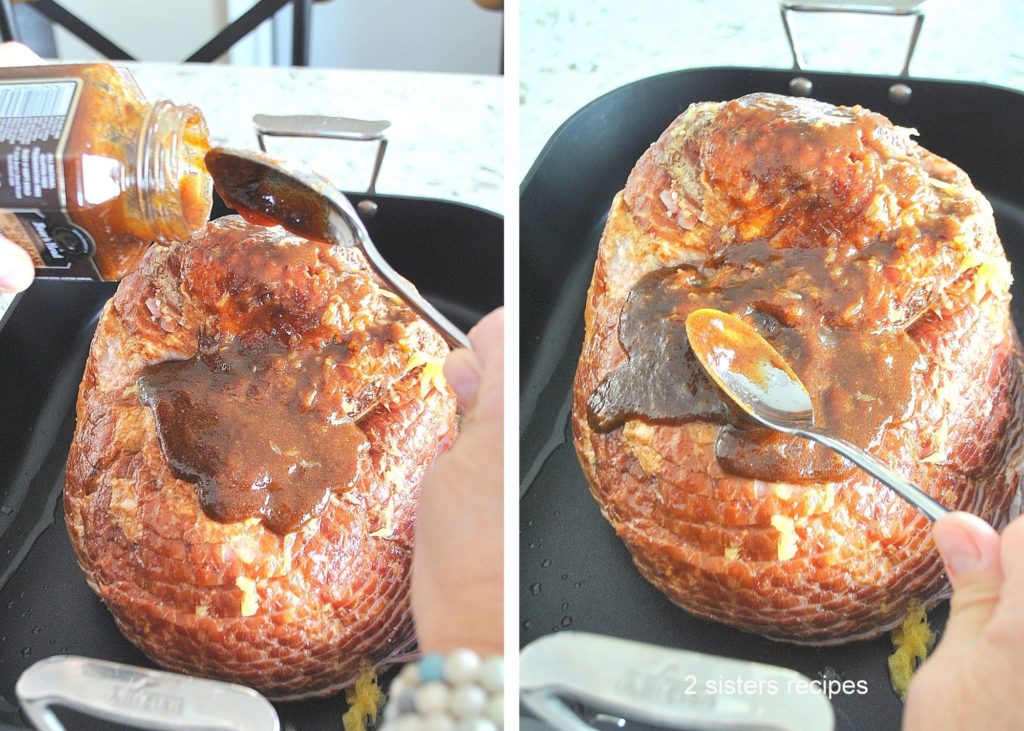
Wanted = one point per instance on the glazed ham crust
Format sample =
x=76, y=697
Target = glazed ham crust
x=729, y=191
x=292, y=614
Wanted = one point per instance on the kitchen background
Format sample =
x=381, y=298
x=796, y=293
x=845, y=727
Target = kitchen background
x=571, y=53
x=386, y=34
x=431, y=68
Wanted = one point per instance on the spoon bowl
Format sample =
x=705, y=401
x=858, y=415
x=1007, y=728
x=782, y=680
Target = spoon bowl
x=752, y=374
x=747, y=368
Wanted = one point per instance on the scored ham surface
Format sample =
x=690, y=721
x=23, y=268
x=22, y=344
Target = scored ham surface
x=291, y=614
x=903, y=246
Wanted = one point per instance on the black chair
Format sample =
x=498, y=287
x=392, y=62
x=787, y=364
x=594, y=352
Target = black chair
x=210, y=51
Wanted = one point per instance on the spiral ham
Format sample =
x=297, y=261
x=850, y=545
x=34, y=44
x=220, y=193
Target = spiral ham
x=874, y=267
x=255, y=418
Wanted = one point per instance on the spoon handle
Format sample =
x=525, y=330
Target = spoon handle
x=452, y=334
x=905, y=489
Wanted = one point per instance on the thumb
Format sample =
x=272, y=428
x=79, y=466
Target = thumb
x=16, y=267
x=970, y=551
x=462, y=372
x=467, y=371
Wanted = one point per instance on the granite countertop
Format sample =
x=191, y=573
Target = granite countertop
x=444, y=140
x=570, y=54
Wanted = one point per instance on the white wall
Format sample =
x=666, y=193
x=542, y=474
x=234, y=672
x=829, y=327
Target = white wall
x=150, y=31
x=421, y=35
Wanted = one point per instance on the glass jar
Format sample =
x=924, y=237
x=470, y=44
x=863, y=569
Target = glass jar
x=91, y=173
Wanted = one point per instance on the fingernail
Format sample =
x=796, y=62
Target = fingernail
x=16, y=270
x=462, y=376
x=959, y=552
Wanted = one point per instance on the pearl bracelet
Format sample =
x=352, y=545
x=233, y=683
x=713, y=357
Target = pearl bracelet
x=453, y=692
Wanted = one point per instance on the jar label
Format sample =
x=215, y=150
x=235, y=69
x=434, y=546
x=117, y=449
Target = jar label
x=58, y=247
x=35, y=121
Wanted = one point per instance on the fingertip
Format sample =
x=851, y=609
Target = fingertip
x=1014, y=532
x=487, y=336
x=13, y=53
x=494, y=319
x=967, y=544
x=966, y=521
x=1013, y=548
x=463, y=375
x=16, y=268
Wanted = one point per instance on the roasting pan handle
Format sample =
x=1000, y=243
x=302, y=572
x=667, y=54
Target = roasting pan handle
x=892, y=8
x=149, y=699
x=664, y=687
x=332, y=128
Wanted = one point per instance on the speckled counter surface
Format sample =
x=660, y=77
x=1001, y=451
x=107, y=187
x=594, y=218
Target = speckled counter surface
x=445, y=140
x=572, y=53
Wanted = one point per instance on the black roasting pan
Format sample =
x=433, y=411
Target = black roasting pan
x=574, y=572
x=452, y=252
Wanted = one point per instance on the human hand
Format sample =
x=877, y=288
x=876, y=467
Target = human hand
x=457, y=572
x=16, y=267
x=975, y=678
x=18, y=54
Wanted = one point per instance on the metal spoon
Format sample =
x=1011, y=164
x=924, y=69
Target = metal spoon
x=268, y=192
x=758, y=380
